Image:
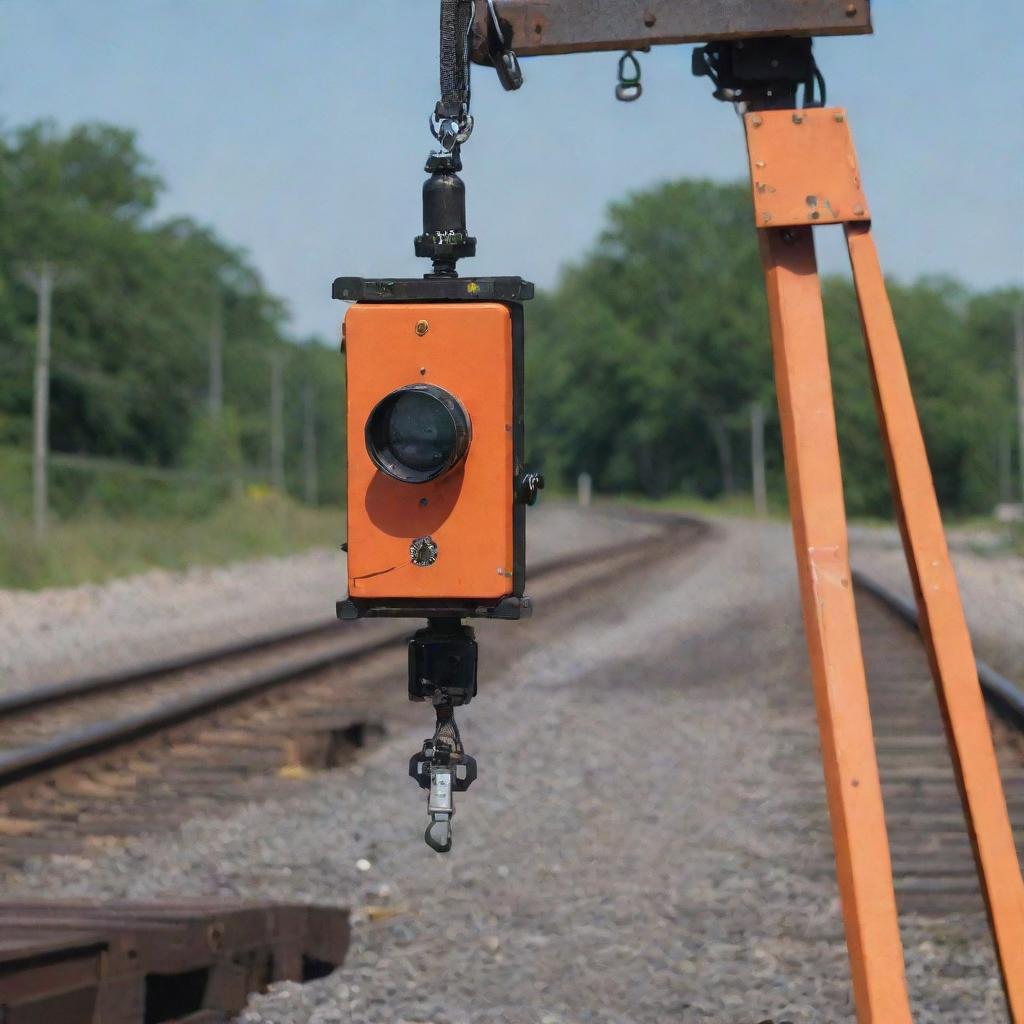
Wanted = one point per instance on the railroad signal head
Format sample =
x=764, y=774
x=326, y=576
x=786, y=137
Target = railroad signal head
x=436, y=485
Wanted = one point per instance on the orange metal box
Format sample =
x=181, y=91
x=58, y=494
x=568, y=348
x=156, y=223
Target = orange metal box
x=469, y=512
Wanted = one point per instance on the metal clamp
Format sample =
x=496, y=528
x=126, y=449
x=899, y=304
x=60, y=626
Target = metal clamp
x=440, y=807
x=450, y=132
x=444, y=773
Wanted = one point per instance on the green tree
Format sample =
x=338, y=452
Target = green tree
x=133, y=320
x=643, y=362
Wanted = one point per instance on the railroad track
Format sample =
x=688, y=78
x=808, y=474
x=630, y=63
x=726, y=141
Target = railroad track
x=92, y=760
x=932, y=858
x=933, y=863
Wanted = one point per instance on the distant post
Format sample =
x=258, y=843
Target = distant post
x=757, y=472
x=309, y=445
x=216, y=396
x=277, y=421
x=584, y=489
x=41, y=278
x=1018, y=339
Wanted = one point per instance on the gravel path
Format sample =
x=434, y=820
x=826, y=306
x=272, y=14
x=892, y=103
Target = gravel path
x=51, y=634
x=625, y=857
x=991, y=582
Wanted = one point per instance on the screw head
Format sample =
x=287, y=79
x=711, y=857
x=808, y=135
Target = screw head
x=422, y=327
x=756, y=121
x=840, y=118
x=423, y=551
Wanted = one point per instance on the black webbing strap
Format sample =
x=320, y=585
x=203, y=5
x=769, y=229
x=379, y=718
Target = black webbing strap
x=456, y=21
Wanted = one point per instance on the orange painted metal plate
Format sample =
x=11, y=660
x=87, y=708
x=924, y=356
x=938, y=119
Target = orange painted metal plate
x=468, y=512
x=803, y=168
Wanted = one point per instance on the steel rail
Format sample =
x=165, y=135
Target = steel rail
x=36, y=698
x=1002, y=693
x=102, y=682
x=73, y=745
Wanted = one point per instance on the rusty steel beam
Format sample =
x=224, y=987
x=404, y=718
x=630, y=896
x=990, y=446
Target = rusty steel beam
x=541, y=27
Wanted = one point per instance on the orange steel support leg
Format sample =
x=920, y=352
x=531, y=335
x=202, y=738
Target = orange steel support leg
x=942, y=621
x=813, y=475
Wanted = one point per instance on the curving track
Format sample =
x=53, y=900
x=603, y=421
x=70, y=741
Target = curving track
x=102, y=756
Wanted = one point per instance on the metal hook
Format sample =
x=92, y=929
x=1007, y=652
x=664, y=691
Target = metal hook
x=628, y=88
x=448, y=131
x=504, y=58
x=441, y=824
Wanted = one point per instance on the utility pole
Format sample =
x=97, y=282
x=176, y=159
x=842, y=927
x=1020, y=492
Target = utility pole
x=759, y=485
x=1004, y=459
x=1018, y=338
x=277, y=421
x=309, y=460
x=216, y=396
x=41, y=278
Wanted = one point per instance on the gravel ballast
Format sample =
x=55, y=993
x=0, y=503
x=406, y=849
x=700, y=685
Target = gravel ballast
x=991, y=584
x=53, y=634
x=630, y=852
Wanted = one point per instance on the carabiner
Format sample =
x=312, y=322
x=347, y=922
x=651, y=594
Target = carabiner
x=628, y=88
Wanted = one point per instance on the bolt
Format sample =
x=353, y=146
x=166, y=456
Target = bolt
x=422, y=327
x=798, y=119
x=858, y=211
x=851, y=10
x=759, y=163
x=650, y=18
x=815, y=215
x=840, y=118
x=766, y=217
x=755, y=120
x=423, y=371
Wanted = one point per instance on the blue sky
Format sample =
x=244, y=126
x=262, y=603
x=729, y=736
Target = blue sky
x=298, y=129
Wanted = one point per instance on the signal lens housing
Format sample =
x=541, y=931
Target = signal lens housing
x=418, y=433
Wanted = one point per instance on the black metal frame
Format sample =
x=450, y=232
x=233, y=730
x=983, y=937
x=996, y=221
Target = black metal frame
x=511, y=292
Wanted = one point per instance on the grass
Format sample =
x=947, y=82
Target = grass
x=95, y=547
x=735, y=506
x=741, y=506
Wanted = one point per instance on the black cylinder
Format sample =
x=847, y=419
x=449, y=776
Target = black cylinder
x=444, y=239
x=444, y=204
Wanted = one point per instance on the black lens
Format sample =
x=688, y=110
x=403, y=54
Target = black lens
x=420, y=431
x=417, y=433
